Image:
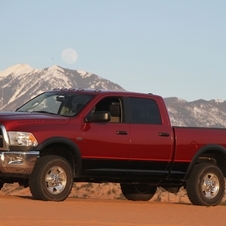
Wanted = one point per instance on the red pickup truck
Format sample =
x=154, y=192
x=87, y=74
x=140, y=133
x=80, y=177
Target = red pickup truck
x=74, y=135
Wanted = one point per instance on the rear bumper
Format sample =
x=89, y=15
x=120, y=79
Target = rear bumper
x=18, y=162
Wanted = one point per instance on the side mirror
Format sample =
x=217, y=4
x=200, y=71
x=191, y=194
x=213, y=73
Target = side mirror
x=99, y=116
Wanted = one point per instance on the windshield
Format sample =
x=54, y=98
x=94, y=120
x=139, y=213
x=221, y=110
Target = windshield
x=54, y=103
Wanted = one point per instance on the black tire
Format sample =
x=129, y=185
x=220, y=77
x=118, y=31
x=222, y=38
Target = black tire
x=51, y=179
x=138, y=192
x=205, y=185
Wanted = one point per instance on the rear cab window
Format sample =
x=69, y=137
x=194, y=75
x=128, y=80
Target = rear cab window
x=144, y=111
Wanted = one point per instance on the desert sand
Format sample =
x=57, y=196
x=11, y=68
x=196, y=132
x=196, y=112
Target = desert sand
x=24, y=211
x=18, y=208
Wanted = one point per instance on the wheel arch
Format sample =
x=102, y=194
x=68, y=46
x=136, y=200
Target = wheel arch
x=212, y=153
x=65, y=148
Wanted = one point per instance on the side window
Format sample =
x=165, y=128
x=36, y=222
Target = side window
x=144, y=111
x=111, y=104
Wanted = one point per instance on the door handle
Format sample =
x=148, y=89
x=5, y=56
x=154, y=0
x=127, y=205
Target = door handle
x=163, y=134
x=121, y=132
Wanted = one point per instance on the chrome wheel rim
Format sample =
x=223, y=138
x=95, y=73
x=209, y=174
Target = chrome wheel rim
x=55, y=180
x=210, y=186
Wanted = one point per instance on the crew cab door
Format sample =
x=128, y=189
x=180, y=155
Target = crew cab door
x=105, y=147
x=151, y=140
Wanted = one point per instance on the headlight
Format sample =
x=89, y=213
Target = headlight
x=22, y=139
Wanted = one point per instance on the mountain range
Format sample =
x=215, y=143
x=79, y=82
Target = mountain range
x=21, y=82
x=201, y=113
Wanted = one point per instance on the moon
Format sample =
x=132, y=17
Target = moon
x=69, y=56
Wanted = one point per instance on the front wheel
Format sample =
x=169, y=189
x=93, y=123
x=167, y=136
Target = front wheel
x=51, y=179
x=205, y=185
x=138, y=192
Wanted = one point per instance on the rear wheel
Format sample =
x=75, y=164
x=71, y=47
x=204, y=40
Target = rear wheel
x=205, y=185
x=51, y=179
x=138, y=192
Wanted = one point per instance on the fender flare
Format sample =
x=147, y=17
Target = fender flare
x=218, y=148
x=75, y=150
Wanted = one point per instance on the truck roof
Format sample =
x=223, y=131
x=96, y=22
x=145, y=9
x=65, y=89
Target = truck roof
x=101, y=91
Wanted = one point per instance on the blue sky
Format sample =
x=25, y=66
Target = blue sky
x=167, y=47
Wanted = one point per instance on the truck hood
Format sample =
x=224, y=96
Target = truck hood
x=25, y=118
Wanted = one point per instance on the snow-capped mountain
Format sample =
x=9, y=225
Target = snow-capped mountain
x=197, y=113
x=21, y=82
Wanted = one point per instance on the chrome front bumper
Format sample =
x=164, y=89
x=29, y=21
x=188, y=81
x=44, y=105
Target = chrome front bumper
x=18, y=162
